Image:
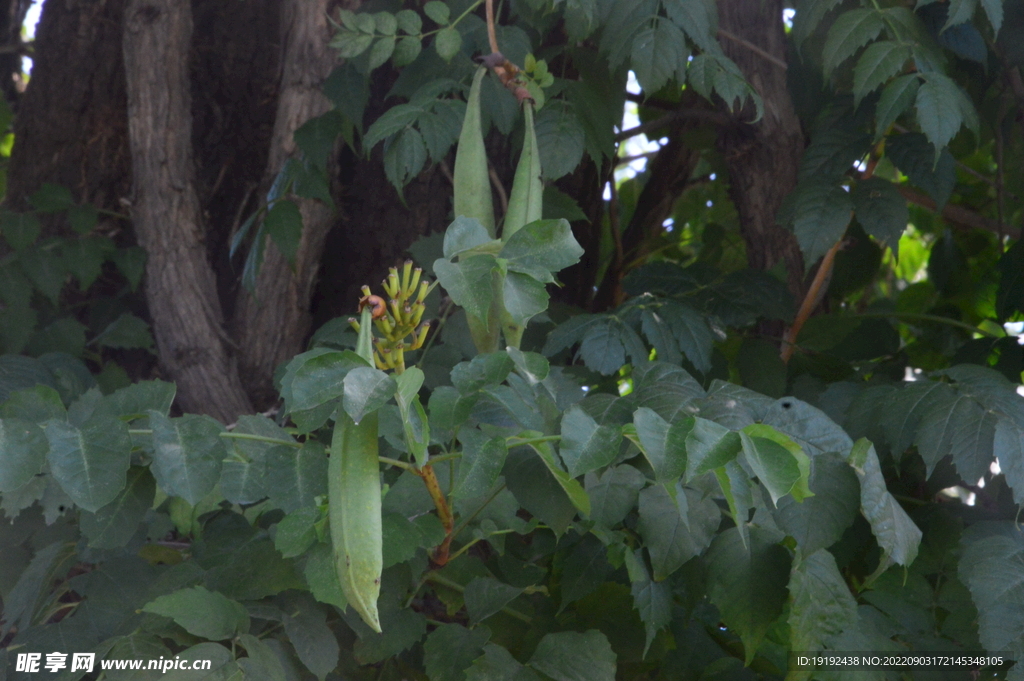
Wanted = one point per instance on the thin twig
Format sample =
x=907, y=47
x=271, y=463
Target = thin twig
x=496, y=181
x=959, y=216
x=703, y=115
x=811, y=301
x=753, y=48
x=492, y=35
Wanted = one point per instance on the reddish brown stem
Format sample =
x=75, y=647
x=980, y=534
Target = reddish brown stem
x=492, y=35
x=444, y=513
x=811, y=301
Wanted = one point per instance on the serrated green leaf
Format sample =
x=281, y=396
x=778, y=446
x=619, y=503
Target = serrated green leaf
x=709, y=446
x=748, y=585
x=675, y=530
x=992, y=569
x=547, y=245
x=574, y=656
x=409, y=22
x=881, y=210
x=351, y=45
x=316, y=377
x=958, y=427
x=406, y=50
x=809, y=15
x=486, y=596
x=773, y=464
x=114, y=525
x=19, y=229
x=23, y=449
x=464, y=234
x=37, y=404
x=586, y=567
x=468, y=282
x=391, y=122
x=296, y=532
x=879, y=62
x=994, y=11
x=90, y=462
x=821, y=605
x=448, y=42
x=614, y=494
x=851, y=31
x=577, y=495
x=959, y=12
x=437, y=11
x=482, y=371
x=261, y=662
x=128, y=332
x=699, y=18
x=663, y=444
x=253, y=571
x=450, y=649
x=536, y=489
x=299, y=476
x=481, y=464
x=560, y=139
x=657, y=54
x=84, y=258
x=316, y=138
x=187, y=454
x=913, y=154
x=523, y=297
x=652, y=600
x=895, y=532
x=822, y=212
x=366, y=390
x=497, y=664
x=404, y=157
x=322, y=576
x=942, y=107
x=531, y=366
x=819, y=522
x=316, y=645
x=675, y=328
x=381, y=51
x=896, y=98
x=201, y=612
x=586, y=446
x=131, y=262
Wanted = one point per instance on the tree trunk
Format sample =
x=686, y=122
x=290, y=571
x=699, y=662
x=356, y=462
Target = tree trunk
x=72, y=123
x=273, y=322
x=180, y=284
x=763, y=158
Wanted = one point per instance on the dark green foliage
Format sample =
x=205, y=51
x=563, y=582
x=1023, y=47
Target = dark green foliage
x=648, y=491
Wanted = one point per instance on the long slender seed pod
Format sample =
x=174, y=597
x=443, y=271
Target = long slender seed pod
x=353, y=491
x=472, y=182
x=525, y=203
x=354, y=494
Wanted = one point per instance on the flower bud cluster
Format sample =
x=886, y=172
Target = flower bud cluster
x=397, y=317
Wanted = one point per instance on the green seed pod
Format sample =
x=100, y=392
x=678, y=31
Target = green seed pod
x=353, y=493
x=525, y=204
x=472, y=181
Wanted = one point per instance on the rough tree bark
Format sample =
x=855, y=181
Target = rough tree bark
x=273, y=321
x=180, y=284
x=762, y=158
x=72, y=127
